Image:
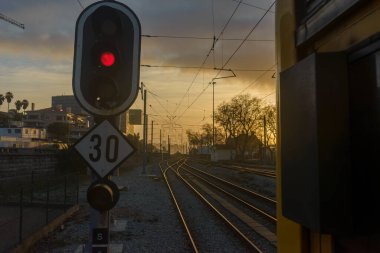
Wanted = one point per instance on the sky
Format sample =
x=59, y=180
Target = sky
x=36, y=63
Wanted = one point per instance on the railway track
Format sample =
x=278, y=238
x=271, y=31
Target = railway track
x=241, y=194
x=253, y=225
x=271, y=173
x=262, y=172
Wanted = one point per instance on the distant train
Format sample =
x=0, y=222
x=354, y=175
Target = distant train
x=328, y=60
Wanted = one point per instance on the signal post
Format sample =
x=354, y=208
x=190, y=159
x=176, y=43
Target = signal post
x=105, y=83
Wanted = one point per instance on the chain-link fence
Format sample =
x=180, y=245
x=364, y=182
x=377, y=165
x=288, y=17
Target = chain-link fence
x=29, y=202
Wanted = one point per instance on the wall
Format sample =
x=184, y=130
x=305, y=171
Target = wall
x=19, y=162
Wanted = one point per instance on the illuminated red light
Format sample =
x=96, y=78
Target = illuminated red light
x=107, y=59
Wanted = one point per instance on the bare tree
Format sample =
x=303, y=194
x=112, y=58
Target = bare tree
x=194, y=138
x=248, y=113
x=270, y=113
x=225, y=117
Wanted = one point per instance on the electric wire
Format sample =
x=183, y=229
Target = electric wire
x=202, y=38
x=256, y=80
x=154, y=96
x=80, y=4
x=233, y=54
x=208, y=54
x=246, y=37
x=194, y=67
x=254, y=6
x=159, y=97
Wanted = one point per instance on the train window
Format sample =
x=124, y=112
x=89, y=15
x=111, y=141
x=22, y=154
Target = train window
x=307, y=8
x=313, y=16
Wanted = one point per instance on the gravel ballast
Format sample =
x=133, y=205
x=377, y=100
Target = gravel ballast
x=152, y=223
x=144, y=220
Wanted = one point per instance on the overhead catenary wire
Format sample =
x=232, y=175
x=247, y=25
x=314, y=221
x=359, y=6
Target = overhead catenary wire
x=80, y=4
x=208, y=54
x=202, y=38
x=246, y=37
x=253, y=6
x=194, y=67
x=167, y=101
x=154, y=97
x=233, y=54
x=256, y=80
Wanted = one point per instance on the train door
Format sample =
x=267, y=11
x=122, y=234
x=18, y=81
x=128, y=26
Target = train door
x=364, y=120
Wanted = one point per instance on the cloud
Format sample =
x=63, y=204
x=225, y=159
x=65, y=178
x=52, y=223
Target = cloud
x=36, y=63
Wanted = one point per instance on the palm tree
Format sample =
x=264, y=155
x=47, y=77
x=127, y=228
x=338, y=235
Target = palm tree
x=18, y=105
x=2, y=98
x=9, y=97
x=25, y=104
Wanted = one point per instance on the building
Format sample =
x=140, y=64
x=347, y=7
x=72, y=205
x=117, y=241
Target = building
x=44, y=117
x=67, y=103
x=223, y=153
x=123, y=123
x=21, y=137
x=78, y=124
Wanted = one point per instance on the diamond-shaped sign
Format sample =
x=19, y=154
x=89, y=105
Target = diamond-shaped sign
x=104, y=148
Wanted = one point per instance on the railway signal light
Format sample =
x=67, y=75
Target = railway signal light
x=106, y=58
x=103, y=195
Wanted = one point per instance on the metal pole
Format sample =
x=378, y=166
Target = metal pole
x=98, y=219
x=21, y=214
x=32, y=189
x=162, y=157
x=47, y=203
x=78, y=191
x=145, y=135
x=65, y=190
x=213, y=114
x=169, y=145
x=151, y=138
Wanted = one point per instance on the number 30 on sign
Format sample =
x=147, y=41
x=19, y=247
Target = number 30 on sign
x=104, y=148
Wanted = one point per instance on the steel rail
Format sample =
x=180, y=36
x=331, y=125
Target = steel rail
x=257, y=210
x=261, y=172
x=272, y=201
x=184, y=223
x=225, y=219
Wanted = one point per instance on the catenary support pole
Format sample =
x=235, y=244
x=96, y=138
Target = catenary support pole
x=151, y=137
x=144, y=136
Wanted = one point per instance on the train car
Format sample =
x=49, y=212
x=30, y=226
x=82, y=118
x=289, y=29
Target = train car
x=328, y=94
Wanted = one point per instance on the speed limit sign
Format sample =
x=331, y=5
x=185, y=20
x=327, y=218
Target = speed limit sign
x=104, y=148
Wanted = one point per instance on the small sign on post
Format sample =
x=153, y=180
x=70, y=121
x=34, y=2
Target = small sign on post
x=104, y=148
x=100, y=240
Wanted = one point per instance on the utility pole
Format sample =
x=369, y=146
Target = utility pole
x=213, y=113
x=145, y=128
x=169, y=145
x=151, y=137
x=162, y=155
